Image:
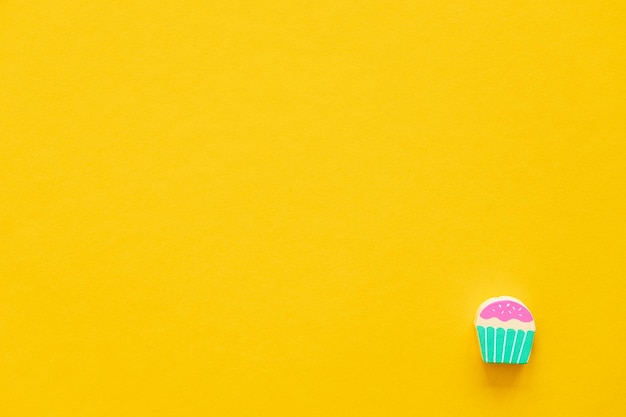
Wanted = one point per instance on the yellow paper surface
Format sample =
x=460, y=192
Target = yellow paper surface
x=294, y=208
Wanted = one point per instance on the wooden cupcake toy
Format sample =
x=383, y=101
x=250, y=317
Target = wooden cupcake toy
x=506, y=330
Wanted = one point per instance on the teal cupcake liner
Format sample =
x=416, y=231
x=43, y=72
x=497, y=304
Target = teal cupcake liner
x=499, y=345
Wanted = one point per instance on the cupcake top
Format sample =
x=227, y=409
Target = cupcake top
x=507, y=311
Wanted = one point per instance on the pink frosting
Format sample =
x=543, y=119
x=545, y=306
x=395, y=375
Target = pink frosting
x=506, y=310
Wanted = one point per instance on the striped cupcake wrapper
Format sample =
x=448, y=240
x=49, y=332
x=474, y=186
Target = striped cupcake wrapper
x=499, y=345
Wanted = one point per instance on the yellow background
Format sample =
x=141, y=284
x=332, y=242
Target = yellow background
x=293, y=208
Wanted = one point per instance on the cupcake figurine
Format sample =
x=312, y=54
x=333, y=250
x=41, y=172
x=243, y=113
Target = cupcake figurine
x=506, y=330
